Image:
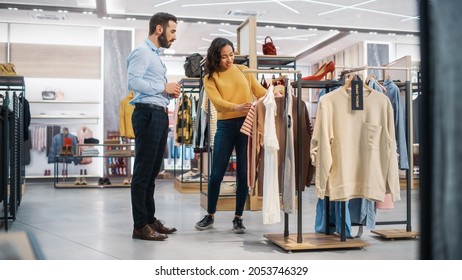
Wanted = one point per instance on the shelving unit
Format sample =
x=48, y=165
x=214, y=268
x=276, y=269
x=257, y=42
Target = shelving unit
x=68, y=181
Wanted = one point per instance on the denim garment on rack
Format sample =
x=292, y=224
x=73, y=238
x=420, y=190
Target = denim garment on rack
x=393, y=94
x=335, y=218
x=362, y=212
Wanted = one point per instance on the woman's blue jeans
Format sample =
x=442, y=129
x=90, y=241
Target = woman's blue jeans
x=227, y=138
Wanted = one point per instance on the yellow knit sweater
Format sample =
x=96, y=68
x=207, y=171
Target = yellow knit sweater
x=230, y=87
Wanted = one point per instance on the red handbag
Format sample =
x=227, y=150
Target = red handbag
x=268, y=47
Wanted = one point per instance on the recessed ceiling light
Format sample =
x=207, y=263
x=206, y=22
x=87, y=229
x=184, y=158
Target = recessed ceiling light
x=13, y=9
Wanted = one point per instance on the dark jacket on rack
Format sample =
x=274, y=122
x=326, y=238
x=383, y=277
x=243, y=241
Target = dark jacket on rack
x=27, y=118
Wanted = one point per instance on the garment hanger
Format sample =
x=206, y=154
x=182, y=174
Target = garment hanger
x=349, y=79
x=355, y=78
x=279, y=80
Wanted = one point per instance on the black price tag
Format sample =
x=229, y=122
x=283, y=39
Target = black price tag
x=357, y=95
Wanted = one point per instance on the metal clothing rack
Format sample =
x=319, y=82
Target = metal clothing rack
x=188, y=85
x=395, y=233
x=300, y=240
x=12, y=169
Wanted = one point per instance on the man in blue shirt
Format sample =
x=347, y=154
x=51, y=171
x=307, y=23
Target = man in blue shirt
x=147, y=79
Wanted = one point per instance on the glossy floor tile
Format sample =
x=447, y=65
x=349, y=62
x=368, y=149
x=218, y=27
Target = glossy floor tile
x=96, y=224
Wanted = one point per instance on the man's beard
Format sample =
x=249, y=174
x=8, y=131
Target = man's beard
x=163, y=41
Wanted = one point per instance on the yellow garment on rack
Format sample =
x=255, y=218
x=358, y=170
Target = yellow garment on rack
x=125, y=117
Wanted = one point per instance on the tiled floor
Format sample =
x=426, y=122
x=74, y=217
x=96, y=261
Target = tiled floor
x=91, y=224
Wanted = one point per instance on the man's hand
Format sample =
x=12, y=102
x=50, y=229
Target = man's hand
x=173, y=89
x=245, y=107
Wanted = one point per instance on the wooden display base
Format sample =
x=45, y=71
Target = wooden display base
x=225, y=203
x=256, y=202
x=88, y=186
x=188, y=187
x=396, y=233
x=313, y=241
x=403, y=184
x=164, y=175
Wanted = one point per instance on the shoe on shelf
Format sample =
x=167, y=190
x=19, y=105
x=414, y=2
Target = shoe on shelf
x=100, y=181
x=160, y=227
x=83, y=181
x=77, y=181
x=147, y=233
x=126, y=181
x=322, y=72
x=238, y=226
x=205, y=223
x=106, y=181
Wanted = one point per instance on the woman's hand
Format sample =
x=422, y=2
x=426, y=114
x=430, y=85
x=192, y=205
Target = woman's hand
x=245, y=107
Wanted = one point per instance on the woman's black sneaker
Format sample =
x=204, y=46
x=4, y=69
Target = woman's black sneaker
x=238, y=226
x=205, y=223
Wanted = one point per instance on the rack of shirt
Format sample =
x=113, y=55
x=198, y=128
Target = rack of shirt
x=403, y=120
x=274, y=158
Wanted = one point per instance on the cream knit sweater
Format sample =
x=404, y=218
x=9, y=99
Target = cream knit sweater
x=354, y=152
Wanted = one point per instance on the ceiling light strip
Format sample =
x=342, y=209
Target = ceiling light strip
x=286, y=6
x=164, y=3
x=225, y=3
x=346, y=7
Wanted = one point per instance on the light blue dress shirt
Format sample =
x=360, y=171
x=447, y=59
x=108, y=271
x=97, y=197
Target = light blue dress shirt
x=147, y=75
x=393, y=93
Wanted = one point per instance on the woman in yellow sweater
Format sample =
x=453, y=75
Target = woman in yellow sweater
x=231, y=91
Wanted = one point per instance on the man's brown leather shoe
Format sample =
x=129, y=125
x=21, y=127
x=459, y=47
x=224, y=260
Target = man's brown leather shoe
x=158, y=226
x=147, y=233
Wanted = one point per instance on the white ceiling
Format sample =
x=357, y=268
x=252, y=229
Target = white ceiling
x=329, y=18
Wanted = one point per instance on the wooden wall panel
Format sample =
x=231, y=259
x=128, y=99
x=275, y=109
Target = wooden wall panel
x=56, y=61
x=2, y=52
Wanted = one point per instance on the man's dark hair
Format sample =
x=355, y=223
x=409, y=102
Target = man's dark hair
x=162, y=19
x=212, y=63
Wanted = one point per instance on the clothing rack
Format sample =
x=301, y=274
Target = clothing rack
x=286, y=83
x=300, y=241
x=188, y=86
x=393, y=233
x=12, y=168
x=366, y=67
